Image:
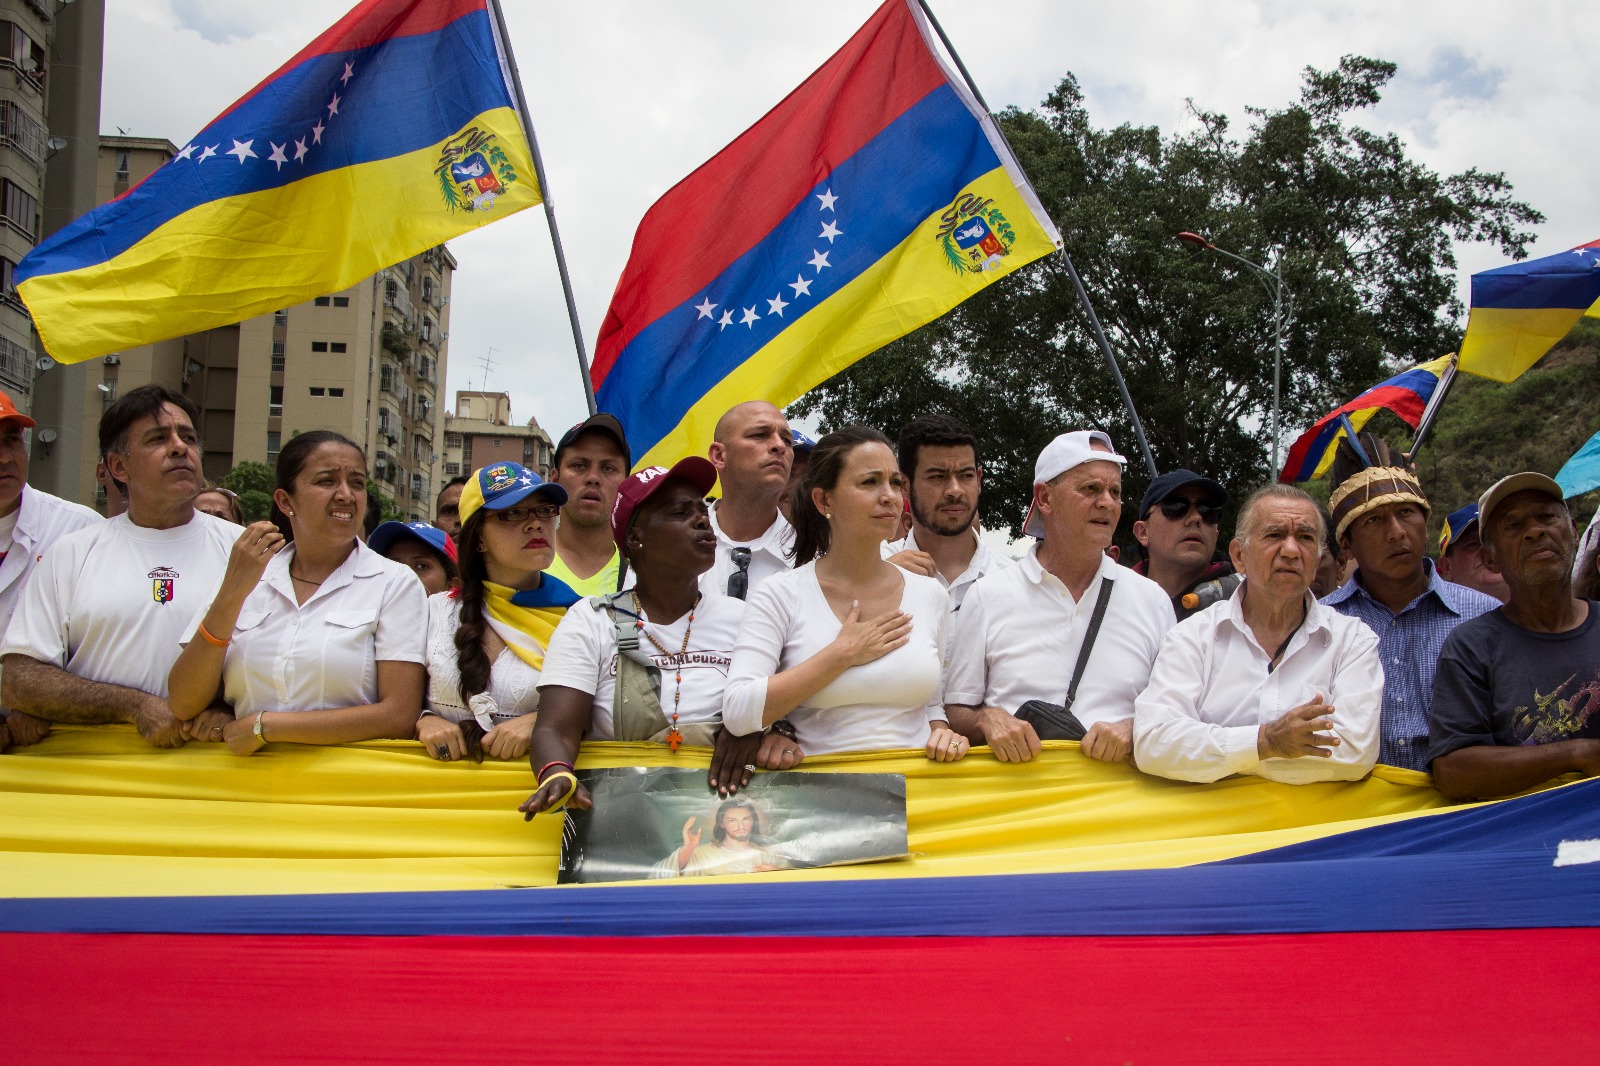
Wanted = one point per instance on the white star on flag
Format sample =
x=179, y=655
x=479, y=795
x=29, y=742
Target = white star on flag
x=349, y=72
x=827, y=198
x=242, y=150
x=749, y=318
x=188, y=150
x=316, y=132
x=776, y=305
x=207, y=153
x=705, y=309
x=726, y=320
x=830, y=231
x=333, y=106
x=277, y=158
x=819, y=260
x=300, y=151
x=801, y=286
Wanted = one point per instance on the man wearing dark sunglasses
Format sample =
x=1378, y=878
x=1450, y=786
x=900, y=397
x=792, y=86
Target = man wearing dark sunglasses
x=1180, y=517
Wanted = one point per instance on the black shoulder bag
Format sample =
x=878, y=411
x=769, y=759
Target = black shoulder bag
x=1055, y=721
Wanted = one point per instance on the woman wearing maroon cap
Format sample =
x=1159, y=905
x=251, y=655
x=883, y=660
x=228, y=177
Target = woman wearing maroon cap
x=665, y=684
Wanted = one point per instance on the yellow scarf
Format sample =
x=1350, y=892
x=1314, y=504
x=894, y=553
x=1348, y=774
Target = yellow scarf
x=525, y=620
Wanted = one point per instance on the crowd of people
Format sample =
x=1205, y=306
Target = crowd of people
x=838, y=595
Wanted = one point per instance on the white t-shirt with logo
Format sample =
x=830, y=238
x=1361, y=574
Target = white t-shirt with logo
x=110, y=603
x=583, y=655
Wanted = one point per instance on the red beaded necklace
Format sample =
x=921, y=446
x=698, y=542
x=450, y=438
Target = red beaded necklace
x=674, y=738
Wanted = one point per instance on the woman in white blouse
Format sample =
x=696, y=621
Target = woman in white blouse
x=313, y=637
x=846, y=646
x=487, y=638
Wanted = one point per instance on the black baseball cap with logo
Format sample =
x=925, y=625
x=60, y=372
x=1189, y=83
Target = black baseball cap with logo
x=602, y=423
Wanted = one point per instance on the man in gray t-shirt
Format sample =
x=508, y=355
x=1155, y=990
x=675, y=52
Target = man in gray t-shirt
x=1516, y=700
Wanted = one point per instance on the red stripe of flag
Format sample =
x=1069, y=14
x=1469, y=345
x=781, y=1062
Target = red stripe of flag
x=1463, y=997
x=367, y=24
x=682, y=243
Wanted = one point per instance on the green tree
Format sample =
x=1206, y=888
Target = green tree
x=253, y=482
x=1366, y=234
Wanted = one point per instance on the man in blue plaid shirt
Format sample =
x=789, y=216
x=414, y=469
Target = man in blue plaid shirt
x=1381, y=518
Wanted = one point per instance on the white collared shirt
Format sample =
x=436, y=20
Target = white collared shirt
x=1018, y=633
x=110, y=601
x=40, y=520
x=324, y=653
x=985, y=560
x=513, y=682
x=771, y=553
x=1211, y=692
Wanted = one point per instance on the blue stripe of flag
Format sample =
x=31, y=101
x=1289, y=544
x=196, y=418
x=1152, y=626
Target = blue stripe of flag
x=914, y=167
x=405, y=94
x=1566, y=281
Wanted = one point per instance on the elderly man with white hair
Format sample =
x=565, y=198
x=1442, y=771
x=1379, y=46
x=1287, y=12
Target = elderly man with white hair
x=1270, y=682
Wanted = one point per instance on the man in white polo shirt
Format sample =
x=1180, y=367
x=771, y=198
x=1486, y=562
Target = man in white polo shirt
x=1020, y=631
x=752, y=450
x=939, y=458
x=98, y=626
x=30, y=521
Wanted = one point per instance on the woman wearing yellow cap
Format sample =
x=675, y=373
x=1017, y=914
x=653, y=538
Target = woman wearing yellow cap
x=487, y=638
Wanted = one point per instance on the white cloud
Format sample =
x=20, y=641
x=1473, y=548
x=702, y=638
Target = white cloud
x=630, y=95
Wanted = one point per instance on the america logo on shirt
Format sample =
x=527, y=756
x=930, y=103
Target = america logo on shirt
x=163, y=583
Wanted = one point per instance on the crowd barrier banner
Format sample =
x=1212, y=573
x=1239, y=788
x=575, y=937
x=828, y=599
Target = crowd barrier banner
x=371, y=904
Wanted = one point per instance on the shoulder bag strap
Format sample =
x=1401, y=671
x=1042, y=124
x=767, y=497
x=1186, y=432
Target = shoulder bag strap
x=1089, y=638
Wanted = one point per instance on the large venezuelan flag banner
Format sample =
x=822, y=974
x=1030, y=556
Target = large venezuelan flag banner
x=873, y=199
x=1406, y=394
x=392, y=132
x=1520, y=311
x=368, y=904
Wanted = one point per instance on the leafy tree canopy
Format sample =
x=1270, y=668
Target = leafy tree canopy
x=1365, y=234
x=250, y=476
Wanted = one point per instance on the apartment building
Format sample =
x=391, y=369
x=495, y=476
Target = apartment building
x=481, y=432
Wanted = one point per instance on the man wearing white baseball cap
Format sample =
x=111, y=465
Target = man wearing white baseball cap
x=1516, y=696
x=1058, y=647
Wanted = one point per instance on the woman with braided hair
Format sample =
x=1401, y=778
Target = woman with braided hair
x=487, y=638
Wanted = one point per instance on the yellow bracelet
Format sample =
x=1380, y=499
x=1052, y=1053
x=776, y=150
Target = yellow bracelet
x=572, y=786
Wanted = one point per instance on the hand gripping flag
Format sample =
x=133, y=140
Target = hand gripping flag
x=1520, y=311
x=1405, y=394
x=392, y=132
x=873, y=199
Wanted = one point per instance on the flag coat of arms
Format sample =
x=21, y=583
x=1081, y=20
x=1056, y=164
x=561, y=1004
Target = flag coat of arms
x=873, y=199
x=392, y=132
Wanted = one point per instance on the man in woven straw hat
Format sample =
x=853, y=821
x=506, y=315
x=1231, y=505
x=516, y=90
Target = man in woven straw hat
x=1380, y=517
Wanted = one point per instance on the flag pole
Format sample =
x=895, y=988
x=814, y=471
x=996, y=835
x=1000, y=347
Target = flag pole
x=1066, y=260
x=549, y=205
x=1430, y=413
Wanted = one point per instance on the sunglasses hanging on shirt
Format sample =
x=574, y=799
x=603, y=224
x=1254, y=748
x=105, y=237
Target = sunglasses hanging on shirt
x=739, y=580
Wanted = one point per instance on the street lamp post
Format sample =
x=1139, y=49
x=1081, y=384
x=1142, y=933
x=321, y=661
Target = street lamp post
x=1282, y=319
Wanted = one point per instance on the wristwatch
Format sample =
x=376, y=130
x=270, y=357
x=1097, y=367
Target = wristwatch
x=256, y=729
x=783, y=728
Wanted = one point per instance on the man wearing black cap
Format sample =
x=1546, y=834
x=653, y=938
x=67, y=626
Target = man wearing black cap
x=1179, y=519
x=591, y=460
x=1516, y=701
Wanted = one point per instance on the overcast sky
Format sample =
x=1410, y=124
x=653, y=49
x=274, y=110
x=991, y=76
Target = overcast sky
x=628, y=96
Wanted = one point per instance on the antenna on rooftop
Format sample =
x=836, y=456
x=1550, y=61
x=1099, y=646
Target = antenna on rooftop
x=488, y=364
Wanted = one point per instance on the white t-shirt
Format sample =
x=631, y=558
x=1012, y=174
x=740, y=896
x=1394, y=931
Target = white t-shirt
x=884, y=704
x=322, y=654
x=110, y=603
x=513, y=682
x=771, y=553
x=1019, y=630
x=583, y=655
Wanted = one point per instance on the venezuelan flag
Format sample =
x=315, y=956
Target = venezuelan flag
x=1520, y=311
x=392, y=132
x=874, y=198
x=1405, y=394
x=368, y=904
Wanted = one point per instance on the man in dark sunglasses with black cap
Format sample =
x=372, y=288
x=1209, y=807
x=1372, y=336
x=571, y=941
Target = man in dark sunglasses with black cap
x=1180, y=517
